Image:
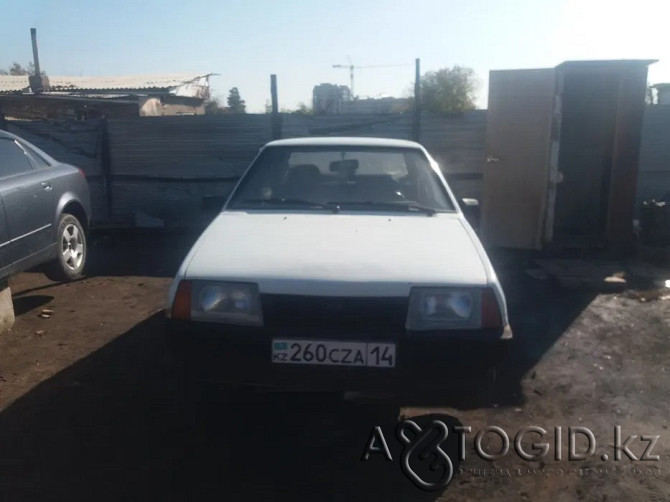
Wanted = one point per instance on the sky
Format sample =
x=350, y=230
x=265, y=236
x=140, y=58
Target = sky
x=244, y=41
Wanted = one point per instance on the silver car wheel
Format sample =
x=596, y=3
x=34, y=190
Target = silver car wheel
x=72, y=247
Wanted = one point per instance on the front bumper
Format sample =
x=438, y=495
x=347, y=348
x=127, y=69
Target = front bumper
x=214, y=352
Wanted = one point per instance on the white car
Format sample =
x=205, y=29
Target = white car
x=340, y=263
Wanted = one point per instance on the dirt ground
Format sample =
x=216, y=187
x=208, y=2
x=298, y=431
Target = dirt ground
x=92, y=405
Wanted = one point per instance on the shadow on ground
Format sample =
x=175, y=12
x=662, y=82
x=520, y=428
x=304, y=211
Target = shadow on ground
x=115, y=426
x=23, y=304
x=143, y=252
x=540, y=311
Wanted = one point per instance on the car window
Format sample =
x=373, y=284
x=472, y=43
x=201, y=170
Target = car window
x=13, y=159
x=346, y=176
x=39, y=161
x=369, y=163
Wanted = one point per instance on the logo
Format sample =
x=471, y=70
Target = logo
x=424, y=446
x=422, y=451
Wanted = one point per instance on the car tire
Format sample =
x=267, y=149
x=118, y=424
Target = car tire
x=71, y=248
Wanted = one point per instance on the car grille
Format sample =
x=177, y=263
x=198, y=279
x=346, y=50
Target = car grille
x=329, y=315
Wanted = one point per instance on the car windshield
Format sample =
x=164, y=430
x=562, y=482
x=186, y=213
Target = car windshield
x=340, y=177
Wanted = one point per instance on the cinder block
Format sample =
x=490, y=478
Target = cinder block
x=6, y=308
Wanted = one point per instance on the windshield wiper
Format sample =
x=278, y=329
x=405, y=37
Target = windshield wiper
x=393, y=206
x=281, y=201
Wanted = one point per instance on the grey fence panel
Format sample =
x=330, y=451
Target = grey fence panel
x=186, y=146
x=654, y=175
x=385, y=126
x=164, y=203
x=163, y=167
x=456, y=141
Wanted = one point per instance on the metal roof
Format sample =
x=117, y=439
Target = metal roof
x=606, y=63
x=10, y=83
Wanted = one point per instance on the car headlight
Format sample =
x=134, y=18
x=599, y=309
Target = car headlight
x=231, y=302
x=452, y=308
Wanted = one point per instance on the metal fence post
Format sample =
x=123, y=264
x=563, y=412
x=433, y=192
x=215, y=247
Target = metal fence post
x=416, y=122
x=276, y=118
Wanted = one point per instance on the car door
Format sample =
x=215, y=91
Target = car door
x=5, y=248
x=27, y=197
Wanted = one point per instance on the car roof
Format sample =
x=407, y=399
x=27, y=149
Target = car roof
x=346, y=141
x=9, y=135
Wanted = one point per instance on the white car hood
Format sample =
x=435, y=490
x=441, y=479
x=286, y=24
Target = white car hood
x=341, y=254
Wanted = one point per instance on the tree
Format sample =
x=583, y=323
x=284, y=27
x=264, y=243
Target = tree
x=31, y=70
x=16, y=69
x=303, y=109
x=235, y=102
x=449, y=89
x=214, y=107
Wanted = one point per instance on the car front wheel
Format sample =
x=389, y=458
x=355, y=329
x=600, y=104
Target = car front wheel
x=71, y=250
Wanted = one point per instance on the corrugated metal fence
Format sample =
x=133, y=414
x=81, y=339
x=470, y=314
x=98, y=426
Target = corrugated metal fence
x=143, y=168
x=654, y=176
x=162, y=167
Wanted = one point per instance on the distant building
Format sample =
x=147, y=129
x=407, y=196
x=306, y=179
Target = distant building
x=331, y=99
x=92, y=97
x=377, y=106
x=328, y=99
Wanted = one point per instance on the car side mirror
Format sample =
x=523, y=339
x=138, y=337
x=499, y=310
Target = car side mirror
x=471, y=211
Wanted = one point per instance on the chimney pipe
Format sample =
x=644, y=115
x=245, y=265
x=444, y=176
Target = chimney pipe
x=37, y=83
x=36, y=57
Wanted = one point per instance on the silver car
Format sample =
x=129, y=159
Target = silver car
x=45, y=211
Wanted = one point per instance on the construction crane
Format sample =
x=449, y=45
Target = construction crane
x=351, y=68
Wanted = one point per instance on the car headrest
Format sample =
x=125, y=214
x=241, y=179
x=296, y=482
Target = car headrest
x=348, y=166
x=303, y=172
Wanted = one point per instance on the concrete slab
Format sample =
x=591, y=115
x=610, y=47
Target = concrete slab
x=6, y=308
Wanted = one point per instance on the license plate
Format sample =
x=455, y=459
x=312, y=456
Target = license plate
x=333, y=353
